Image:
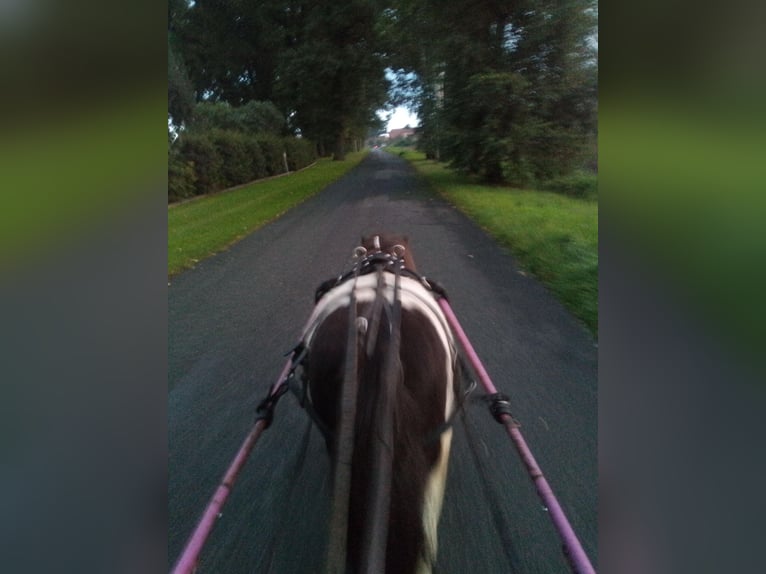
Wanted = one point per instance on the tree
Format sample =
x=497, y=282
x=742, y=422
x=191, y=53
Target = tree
x=252, y=118
x=317, y=61
x=507, y=89
x=331, y=76
x=231, y=48
x=180, y=91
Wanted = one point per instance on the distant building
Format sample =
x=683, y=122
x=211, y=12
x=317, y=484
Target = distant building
x=401, y=133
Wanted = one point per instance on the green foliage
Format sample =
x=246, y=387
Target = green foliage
x=232, y=149
x=228, y=146
x=181, y=177
x=300, y=153
x=504, y=90
x=272, y=149
x=251, y=118
x=230, y=47
x=255, y=160
x=213, y=115
x=331, y=77
x=180, y=91
x=261, y=118
x=206, y=162
x=201, y=152
x=487, y=126
x=507, y=91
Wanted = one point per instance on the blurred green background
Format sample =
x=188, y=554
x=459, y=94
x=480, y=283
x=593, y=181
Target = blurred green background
x=83, y=146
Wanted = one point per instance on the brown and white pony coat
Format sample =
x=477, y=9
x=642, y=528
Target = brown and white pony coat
x=422, y=374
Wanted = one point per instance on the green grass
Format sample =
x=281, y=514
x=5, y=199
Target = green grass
x=200, y=228
x=555, y=238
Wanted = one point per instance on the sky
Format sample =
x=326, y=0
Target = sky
x=401, y=118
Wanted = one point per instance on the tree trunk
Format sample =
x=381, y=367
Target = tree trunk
x=339, y=154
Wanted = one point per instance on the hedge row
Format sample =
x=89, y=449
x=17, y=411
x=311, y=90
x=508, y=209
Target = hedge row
x=205, y=162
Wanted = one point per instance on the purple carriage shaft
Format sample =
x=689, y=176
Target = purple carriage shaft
x=575, y=553
x=187, y=563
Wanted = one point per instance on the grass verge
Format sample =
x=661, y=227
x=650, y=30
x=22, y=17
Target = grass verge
x=553, y=237
x=206, y=226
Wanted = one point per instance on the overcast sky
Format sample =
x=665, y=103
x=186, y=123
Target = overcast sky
x=401, y=118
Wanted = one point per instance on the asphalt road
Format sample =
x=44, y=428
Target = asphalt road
x=233, y=317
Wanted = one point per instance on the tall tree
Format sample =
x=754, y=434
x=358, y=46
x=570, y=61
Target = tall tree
x=504, y=88
x=231, y=46
x=180, y=91
x=331, y=77
x=318, y=61
x=507, y=88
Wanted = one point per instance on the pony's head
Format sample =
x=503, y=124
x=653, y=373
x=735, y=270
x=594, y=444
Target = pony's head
x=390, y=243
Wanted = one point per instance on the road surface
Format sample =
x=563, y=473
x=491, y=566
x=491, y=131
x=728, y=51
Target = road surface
x=233, y=317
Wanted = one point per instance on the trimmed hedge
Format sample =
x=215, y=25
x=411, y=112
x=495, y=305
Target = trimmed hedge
x=272, y=149
x=300, y=153
x=235, y=167
x=200, y=151
x=181, y=177
x=205, y=162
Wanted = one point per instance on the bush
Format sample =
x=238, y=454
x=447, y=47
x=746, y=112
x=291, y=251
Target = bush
x=208, y=164
x=232, y=148
x=579, y=184
x=300, y=153
x=255, y=160
x=261, y=117
x=272, y=149
x=252, y=118
x=205, y=162
x=181, y=177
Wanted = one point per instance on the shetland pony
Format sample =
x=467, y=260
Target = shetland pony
x=402, y=375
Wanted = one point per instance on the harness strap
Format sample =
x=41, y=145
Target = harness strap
x=375, y=536
x=436, y=434
x=300, y=390
x=370, y=264
x=344, y=449
x=377, y=309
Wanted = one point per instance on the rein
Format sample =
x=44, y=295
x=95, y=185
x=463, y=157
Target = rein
x=344, y=447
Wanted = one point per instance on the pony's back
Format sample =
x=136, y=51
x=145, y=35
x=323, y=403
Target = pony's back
x=405, y=374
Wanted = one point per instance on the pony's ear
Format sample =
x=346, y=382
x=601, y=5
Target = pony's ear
x=406, y=239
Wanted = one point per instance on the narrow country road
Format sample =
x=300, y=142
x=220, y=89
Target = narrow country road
x=233, y=318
